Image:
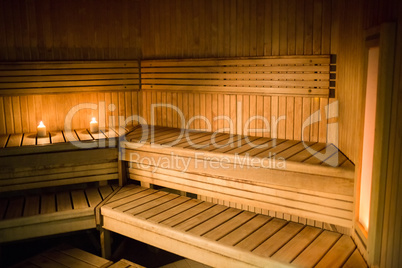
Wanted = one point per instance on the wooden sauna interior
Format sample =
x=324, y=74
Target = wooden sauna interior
x=142, y=32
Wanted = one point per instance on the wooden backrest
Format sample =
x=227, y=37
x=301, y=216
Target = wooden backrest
x=280, y=75
x=18, y=78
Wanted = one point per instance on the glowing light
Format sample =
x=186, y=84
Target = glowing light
x=93, y=125
x=41, y=130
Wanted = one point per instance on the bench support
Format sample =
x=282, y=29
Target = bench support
x=106, y=243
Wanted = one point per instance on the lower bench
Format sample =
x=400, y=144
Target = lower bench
x=221, y=236
x=37, y=215
x=50, y=185
x=65, y=256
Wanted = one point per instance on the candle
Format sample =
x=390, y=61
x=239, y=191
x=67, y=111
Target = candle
x=93, y=126
x=41, y=130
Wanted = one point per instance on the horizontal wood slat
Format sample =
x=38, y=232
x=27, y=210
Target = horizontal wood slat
x=289, y=75
x=19, y=78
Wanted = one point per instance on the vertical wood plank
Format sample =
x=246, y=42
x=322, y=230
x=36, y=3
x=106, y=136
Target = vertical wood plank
x=317, y=27
x=3, y=128
x=290, y=117
x=308, y=27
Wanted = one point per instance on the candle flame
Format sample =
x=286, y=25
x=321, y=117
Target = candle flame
x=41, y=124
x=93, y=120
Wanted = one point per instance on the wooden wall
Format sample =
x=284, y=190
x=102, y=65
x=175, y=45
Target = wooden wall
x=22, y=114
x=69, y=30
x=285, y=115
x=66, y=30
x=389, y=217
x=237, y=28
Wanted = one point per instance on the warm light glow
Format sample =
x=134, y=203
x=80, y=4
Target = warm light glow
x=368, y=138
x=93, y=125
x=41, y=130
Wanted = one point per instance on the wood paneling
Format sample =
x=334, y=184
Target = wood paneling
x=240, y=29
x=48, y=31
x=23, y=113
x=69, y=30
x=230, y=28
x=281, y=119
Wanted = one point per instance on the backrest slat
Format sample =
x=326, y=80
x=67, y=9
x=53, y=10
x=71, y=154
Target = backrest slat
x=281, y=75
x=65, y=77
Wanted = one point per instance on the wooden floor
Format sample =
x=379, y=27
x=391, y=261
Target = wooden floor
x=290, y=150
x=263, y=236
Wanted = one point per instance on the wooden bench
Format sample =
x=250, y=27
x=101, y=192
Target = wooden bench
x=70, y=257
x=310, y=180
x=221, y=235
x=53, y=184
x=32, y=172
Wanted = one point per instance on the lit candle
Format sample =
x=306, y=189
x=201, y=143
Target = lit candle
x=41, y=130
x=93, y=126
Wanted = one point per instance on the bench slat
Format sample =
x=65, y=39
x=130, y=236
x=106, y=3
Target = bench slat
x=317, y=249
x=21, y=81
x=93, y=196
x=274, y=60
x=144, y=208
x=338, y=254
x=292, y=249
x=279, y=239
x=163, y=207
x=355, y=260
x=32, y=205
x=214, y=222
x=138, y=205
x=239, y=234
x=47, y=203
x=67, y=65
x=175, y=210
x=79, y=200
x=29, y=139
x=292, y=90
x=260, y=235
x=158, y=78
x=235, y=69
x=52, y=72
x=14, y=140
x=63, y=200
x=15, y=208
x=70, y=89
